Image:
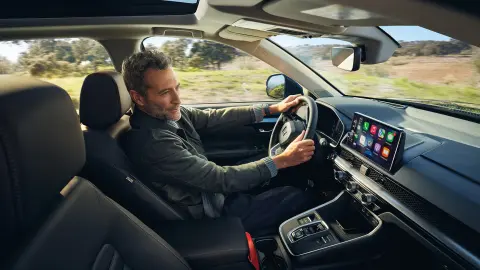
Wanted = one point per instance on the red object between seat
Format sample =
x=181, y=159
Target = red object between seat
x=252, y=256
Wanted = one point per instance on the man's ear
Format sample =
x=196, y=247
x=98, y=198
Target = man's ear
x=137, y=98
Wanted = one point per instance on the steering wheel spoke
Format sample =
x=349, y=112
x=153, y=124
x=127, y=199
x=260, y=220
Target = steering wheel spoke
x=288, y=126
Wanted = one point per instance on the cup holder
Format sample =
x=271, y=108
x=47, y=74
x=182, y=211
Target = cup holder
x=270, y=256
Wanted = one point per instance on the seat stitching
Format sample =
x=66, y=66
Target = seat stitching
x=112, y=262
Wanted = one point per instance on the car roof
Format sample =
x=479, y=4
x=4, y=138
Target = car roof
x=211, y=16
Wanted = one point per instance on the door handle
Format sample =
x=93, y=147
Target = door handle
x=261, y=130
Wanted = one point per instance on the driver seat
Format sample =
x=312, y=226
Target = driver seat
x=104, y=102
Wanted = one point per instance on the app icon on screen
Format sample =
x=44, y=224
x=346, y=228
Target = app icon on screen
x=377, y=148
x=385, y=152
x=390, y=136
x=373, y=129
x=381, y=133
x=355, y=135
x=362, y=140
x=369, y=141
x=368, y=152
x=366, y=125
x=359, y=127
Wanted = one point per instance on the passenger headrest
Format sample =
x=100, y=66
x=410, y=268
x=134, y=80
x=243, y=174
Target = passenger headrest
x=41, y=150
x=104, y=99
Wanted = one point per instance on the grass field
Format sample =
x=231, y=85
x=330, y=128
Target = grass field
x=443, y=78
x=212, y=86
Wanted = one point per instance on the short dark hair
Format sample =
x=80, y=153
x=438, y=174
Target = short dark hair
x=134, y=67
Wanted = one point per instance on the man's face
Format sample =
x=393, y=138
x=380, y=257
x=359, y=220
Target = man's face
x=162, y=99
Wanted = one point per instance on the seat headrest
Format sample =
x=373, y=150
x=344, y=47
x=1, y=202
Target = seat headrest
x=41, y=150
x=104, y=99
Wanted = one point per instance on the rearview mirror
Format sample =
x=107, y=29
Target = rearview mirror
x=346, y=58
x=280, y=86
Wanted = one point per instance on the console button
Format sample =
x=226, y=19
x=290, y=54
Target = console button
x=326, y=239
x=298, y=234
x=352, y=186
x=340, y=175
x=367, y=199
x=320, y=227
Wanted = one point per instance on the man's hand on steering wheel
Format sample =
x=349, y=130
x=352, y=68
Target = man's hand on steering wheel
x=285, y=105
x=297, y=152
x=291, y=142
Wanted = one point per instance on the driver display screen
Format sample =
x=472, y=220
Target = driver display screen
x=374, y=140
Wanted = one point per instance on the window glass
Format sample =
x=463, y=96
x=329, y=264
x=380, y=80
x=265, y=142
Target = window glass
x=64, y=62
x=211, y=72
x=427, y=66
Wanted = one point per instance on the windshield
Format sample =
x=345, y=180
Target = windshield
x=428, y=66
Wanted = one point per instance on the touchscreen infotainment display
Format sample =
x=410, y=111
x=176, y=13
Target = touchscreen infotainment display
x=375, y=140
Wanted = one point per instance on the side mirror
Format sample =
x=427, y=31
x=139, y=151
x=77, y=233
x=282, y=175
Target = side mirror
x=347, y=58
x=280, y=86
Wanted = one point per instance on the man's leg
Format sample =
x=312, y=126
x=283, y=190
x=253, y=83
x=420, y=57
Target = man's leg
x=266, y=211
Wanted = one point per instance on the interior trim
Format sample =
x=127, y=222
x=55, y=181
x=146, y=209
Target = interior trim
x=321, y=102
x=318, y=207
x=381, y=192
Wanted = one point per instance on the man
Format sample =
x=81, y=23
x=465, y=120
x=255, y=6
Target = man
x=167, y=151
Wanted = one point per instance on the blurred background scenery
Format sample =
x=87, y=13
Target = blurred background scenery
x=427, y=66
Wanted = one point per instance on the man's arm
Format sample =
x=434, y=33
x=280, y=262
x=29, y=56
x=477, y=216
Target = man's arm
x=227, y=117
x=168, y=160
x=235, y=116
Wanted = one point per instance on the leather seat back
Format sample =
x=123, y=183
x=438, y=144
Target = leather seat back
x=51, y=219
x=104, y=100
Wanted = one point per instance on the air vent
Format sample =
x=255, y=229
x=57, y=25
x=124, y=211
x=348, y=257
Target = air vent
x=288, y=32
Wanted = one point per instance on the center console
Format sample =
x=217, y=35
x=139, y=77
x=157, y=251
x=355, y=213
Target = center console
x=329, y=230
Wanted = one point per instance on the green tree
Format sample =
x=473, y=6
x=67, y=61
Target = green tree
x=5, y=65
x=97, y=55
x=213, y=53
x=177, y=50
x=64, y=51
x=81, y=49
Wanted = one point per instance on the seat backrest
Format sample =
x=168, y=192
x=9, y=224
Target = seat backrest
x=104, y=100
x=51, y=219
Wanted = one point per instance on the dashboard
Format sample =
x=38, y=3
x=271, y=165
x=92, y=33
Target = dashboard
x=329, y=125
x=437, y=183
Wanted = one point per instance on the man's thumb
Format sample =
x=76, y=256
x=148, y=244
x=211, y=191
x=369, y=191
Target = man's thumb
x=300, y=137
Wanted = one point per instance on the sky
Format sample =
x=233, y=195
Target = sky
x=405, y=33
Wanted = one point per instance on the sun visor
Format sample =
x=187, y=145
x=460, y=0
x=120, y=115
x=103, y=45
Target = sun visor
x=177, y=32
x=243, y=34
x=275, y=29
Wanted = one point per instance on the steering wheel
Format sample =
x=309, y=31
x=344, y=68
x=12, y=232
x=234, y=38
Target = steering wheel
x=289, y=126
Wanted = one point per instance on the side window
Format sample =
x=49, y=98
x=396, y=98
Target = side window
x=63, y=62
x=211, y=72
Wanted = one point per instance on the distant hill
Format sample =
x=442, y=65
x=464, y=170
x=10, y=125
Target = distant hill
x=408, y=48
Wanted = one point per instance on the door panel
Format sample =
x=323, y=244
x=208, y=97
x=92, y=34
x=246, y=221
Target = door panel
x=230, y=146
